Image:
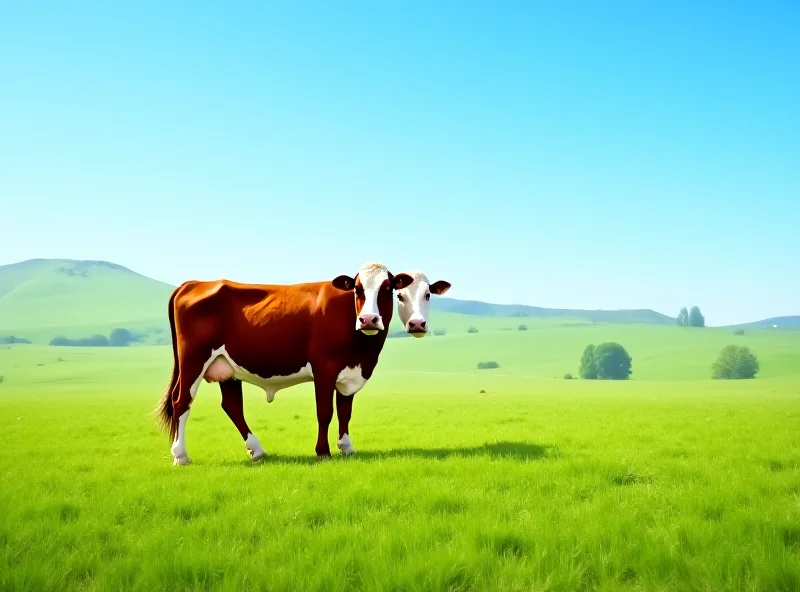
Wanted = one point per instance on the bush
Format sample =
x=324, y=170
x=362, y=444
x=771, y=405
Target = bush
x=472, y=330
x=735, y=362
x=439, y=332
x=1, y=380
x=568, y=376
x=523, y=328
x=487, y=365
x=739, y=332
x=120, y=338
x=93, y=341
x=607, y=361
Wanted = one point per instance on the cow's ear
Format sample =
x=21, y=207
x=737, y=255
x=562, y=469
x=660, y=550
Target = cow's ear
x=344, y=283
x=440, y=287
x=401, y=280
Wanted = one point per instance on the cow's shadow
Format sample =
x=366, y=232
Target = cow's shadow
x=516, y=451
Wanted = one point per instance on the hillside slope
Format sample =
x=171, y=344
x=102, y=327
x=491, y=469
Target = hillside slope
x=790, y=322
x=475, y=307
x=47, y=297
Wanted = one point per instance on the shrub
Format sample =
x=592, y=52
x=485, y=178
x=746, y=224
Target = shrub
x=739, y=332
x=472, y=330
x=1, y=380
x=120, y=338
x=487, y=365
x=523, y=328
x=439, y=332
x=568, y=376
x=607, y=361
x=735, y=362
x=93, y=341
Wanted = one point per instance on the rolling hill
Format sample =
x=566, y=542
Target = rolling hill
x=44, y=298
x=478, y=308
x=790, y=322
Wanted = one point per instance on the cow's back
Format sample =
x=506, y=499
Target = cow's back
x=264, y=328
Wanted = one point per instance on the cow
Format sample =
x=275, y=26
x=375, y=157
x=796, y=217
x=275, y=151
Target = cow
x=413, y=302
x=276, y=336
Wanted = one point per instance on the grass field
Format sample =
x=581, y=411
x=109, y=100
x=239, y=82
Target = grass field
x=668, y=481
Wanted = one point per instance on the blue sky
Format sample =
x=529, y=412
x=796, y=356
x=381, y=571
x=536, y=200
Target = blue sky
x=565, y=154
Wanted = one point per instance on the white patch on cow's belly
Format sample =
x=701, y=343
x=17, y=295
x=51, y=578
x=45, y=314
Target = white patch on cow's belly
x=350, y=381
x=221, y=367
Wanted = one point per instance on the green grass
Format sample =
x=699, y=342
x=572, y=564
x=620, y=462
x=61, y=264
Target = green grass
x=668, y=481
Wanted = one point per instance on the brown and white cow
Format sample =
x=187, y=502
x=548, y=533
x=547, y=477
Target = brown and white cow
x=414, y=301
x=274, y=337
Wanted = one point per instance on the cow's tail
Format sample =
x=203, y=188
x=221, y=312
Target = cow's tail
x=165, y=408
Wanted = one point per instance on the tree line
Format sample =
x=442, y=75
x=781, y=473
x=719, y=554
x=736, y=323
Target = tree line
x=691, y=318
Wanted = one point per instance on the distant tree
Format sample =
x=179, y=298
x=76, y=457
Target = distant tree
x=735, y=362
x=120, y=338
x=696, y=318
x=568, y=376
x=96, y=341
x=472, y=330
x=59, y=341
x=523, y=328
x=10, y=340
x=683, y=317
x=487, y=365
x=587, y=368
x=738, y=331
x=612, y=361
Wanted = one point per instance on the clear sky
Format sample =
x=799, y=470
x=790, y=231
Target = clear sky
x=566, y=154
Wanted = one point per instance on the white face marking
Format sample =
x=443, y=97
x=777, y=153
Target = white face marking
x=412, y=304
x=179, y=446
x=345, y=445
x=220, y=367
x=254, y=447
x=350, y=381
x=371, y=276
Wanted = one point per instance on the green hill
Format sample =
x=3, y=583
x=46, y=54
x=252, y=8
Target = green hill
x=43, y=298
x=791, y=322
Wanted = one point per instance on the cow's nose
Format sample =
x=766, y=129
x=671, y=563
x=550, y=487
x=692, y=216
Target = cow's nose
x=368, y=320
x=415, y=324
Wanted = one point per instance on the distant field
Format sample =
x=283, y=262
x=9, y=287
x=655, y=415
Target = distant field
x=668, y=481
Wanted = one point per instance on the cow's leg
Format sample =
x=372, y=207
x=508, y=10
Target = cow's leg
x=323, y=389
x=192, y=367
x=233, y=405
x=344, y=409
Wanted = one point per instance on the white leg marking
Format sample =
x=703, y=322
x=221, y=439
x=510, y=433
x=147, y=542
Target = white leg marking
x=179, y=446
x=350, y=381
x=345, y=445
x=254, y=447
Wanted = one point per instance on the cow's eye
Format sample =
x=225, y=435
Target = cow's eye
x=428, y=296
x=400, y=298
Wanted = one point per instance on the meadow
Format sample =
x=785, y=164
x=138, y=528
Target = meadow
x=503, y=479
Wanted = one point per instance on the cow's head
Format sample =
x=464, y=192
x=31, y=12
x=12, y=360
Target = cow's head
x=414, y=301
x=373, y=288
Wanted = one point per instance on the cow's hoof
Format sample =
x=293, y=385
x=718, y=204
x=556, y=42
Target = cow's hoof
x=257, y=458
x=346, y=446
x=181, y=460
